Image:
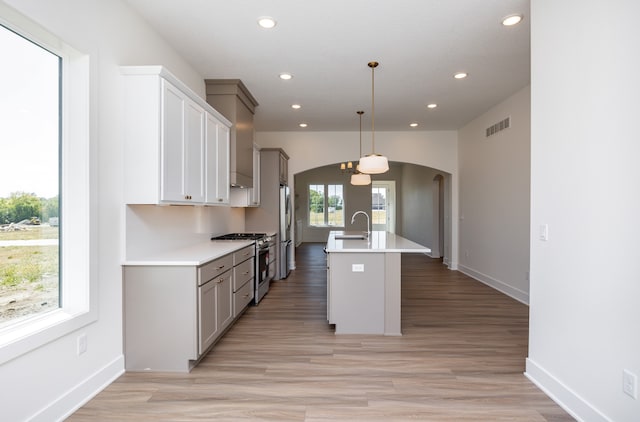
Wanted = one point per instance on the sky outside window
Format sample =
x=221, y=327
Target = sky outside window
x=29, y=117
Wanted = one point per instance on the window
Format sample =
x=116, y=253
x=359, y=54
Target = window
x=29, y=168
x=47, y=286
x=326, y=205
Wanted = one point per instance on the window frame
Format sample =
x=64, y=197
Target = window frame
x=325, y=205
x=78, y=281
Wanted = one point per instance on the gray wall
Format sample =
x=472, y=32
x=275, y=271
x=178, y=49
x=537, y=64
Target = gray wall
x=414, y=207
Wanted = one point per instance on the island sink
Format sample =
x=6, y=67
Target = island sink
x=351, y=235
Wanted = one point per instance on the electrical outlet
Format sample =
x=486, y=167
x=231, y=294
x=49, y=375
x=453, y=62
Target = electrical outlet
x=82, y=344
x=357, y=268
x=630, y=384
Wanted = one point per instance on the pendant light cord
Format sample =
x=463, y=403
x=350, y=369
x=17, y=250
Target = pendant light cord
x=360, y=113
x=373, y=65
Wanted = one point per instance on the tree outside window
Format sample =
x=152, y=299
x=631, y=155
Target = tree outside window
x=326, y=205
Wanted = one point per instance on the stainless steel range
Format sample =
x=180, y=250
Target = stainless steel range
x=264, y=273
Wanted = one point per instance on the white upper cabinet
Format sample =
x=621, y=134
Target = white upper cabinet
x=217, y=150
x=176, y=145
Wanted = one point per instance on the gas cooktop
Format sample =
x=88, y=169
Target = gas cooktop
x=240, y=236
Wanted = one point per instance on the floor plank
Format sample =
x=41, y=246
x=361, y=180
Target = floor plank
x=461, y=358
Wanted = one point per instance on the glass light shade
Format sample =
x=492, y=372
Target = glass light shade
x=349, y=165
x=374, y=164
x=360, y=179
x=342, y=166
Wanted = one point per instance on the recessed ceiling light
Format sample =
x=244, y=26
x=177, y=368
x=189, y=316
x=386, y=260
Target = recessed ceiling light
x=512, y=20
x=413, y=124
x=303, y=125
x=295, y=106
x=286, y=76
x=432, y=105
x=266, y=22
x=460, y=75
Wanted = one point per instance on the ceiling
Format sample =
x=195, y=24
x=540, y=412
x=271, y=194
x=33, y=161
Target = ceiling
x=326, y=45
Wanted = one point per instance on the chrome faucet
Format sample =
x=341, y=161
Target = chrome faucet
x=353, y=217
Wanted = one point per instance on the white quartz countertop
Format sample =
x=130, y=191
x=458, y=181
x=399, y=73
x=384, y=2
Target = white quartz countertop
x=378, y=241
x=197, y=254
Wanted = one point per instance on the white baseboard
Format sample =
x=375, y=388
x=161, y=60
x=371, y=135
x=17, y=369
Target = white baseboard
x=76, y=397
x=566, y=398
x=501, y=286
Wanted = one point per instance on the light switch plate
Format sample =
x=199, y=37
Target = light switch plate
x=544, y=232
x=630, y=384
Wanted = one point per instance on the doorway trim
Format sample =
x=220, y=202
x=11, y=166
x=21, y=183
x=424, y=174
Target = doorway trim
x=437, y=231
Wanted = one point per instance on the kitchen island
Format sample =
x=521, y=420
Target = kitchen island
x=364, y=282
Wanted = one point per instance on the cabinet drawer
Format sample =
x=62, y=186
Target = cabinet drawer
x=243, y=254
x=214, y=269
x=243, y=273
x=242, y=298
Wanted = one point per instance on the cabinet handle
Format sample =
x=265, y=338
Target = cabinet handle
x=220, y=281
x=247, y=295
x=220, y=267
x=187, y=197
x=219, y=199
x=245, y=273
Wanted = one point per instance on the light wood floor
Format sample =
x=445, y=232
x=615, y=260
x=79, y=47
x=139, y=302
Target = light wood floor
x=461, y=358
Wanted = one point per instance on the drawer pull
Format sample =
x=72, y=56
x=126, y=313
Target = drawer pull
x=220, y=267
x=220, y=280
x=245, y=273
x=247, y=295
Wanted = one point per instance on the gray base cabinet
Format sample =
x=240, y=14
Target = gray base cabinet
x=173, y=315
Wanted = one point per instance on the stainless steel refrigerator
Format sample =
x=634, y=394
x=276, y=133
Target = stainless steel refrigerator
x=285, y=230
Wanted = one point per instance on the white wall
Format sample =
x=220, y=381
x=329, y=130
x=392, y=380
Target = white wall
x=435, y=149
x=50, y=381
x=585, y=185
x=494, y=197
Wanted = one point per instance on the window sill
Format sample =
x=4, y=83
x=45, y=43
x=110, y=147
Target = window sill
x=28, y=335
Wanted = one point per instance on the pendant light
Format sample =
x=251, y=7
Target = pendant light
x=360, y=179
x=373, y=163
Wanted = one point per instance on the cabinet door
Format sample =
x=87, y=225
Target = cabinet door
x=172, y=144
x=207, y=316
x=222, y=186
x=194, y=117
x=284, y=169
x=254, y=199
x=217, y=162
x=224, y=300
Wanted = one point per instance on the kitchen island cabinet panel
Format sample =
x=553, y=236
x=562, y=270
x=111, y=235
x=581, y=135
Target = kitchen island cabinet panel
x=357, y=299
x=363, y=282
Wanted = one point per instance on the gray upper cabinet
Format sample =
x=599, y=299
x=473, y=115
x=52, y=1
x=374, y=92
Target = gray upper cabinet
x=231, y=98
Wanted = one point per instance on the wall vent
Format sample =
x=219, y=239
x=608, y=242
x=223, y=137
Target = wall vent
x=501, y=125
